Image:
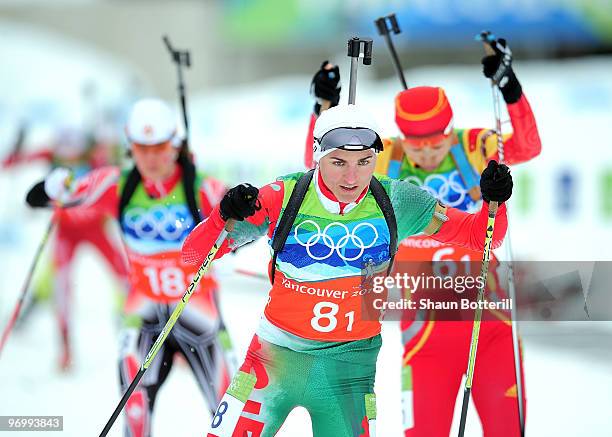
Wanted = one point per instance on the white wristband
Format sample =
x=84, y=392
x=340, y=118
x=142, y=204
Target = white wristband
x=57, y=184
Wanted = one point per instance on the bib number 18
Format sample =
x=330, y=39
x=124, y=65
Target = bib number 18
x=167, y=281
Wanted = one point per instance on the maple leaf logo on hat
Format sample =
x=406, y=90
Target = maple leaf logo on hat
x=148, y=130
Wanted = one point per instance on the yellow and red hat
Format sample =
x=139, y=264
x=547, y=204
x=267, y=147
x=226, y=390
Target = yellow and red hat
x=424, y=115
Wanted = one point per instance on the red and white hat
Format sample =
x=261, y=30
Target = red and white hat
x=424, y=115
x=151, y=121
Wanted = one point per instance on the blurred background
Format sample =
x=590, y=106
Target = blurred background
x=70, y=69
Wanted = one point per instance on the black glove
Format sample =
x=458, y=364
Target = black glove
x=240, y=202
x=498, y=68
x=37, y=196
x=325, y=85
x=496, y=182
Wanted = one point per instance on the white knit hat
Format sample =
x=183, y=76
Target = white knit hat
x=151, y=121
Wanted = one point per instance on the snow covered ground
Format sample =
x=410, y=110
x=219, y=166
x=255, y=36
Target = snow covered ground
x=567, y=365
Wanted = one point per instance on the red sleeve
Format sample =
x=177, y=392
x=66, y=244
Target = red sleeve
x=199, y=242
x=308, y=160
x=524, y=143
x=469, y=230
x=202, y=238
x=271, y=199
x=39, y=155
x=97, y=190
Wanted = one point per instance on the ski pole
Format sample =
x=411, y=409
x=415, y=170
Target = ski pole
x=484, y=269
x=488, y=39
x=382, y=24
x=180, y=58
x=355, y=52
x=26, y=284
x=167, y=328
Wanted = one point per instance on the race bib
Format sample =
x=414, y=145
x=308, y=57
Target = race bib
x=333, y=310
x=162, y=277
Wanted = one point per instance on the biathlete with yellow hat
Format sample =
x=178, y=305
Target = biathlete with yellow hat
x=157, y=202
x=447, y=162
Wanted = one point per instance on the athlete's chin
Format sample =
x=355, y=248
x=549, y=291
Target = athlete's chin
x=152, y=173
x=348, y=194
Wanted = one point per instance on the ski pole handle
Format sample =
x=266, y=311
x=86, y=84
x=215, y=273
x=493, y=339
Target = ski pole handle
x=488, y=39
x=168, y=45
x=180, y=58
x=355, y=45
x=385, y=31
x=492, y=46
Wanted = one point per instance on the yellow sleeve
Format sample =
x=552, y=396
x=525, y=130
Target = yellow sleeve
x=384, y=157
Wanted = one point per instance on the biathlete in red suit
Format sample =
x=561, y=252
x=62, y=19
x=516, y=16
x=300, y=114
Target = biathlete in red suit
x=446, y=162
x=72, y=150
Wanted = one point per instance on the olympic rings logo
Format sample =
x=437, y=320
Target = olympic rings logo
x=447, y=187
x=167, y=222
x=333, y=246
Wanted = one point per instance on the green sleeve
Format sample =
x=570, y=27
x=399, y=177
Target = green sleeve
x=244, y=232
x=413, y=208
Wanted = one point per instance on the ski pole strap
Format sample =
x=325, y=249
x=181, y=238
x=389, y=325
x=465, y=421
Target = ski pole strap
x=288, y=217
x=183, y=302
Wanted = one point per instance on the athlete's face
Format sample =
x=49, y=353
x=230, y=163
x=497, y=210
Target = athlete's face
x=347, y=173
x=428, y=155
x=155, y=162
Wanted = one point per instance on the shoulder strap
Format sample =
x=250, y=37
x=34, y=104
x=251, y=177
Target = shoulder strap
x=131, y=182
x=467, y=172
x=389, y=161
x=189, y=180
x=383, y=201
x=288, y=217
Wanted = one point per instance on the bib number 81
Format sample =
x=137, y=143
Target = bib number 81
x=326, y=311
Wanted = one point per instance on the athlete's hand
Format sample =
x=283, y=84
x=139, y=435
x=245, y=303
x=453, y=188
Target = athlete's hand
x=496, y=182
x=498, y=68
x=325, y=86
x=239, y=202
